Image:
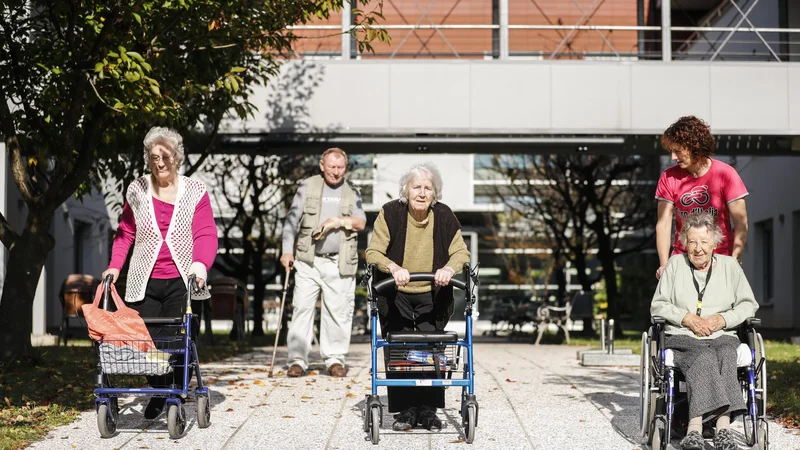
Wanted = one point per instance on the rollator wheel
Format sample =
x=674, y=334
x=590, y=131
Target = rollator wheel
x=375, y=424
x=472, y=418
x=176, y=422
x=107, y=423
x=203, y=411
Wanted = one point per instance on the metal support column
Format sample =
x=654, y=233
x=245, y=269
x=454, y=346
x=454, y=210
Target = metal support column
x=503, y=29
x=666, y=30
x=640, y=36
x=346, y=25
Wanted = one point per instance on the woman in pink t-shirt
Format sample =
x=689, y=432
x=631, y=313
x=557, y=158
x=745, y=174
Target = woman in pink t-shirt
x=168, y=220
x=698, y=183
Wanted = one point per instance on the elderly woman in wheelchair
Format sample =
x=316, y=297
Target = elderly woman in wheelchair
x=700, y=300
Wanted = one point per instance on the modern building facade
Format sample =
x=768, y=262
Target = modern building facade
x=474, y=77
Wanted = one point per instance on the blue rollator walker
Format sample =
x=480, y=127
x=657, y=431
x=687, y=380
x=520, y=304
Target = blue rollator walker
x=445, y=347
x=174, y=349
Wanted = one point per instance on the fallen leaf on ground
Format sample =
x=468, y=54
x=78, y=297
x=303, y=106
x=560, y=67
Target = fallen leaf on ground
x=508, y=380
x=350, y=395
x=229, y=410
x=306, y=396
x=258, y=383
x=287, y=417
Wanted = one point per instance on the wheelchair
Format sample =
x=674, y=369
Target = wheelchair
x=663, y=399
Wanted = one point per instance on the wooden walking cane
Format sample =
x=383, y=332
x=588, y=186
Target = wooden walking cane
x=280, y=320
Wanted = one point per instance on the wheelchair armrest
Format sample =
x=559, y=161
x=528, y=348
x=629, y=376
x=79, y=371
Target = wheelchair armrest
x=753, y=322
x=658, y=320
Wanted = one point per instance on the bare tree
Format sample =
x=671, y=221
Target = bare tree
x=253, y=194
x=584, y=204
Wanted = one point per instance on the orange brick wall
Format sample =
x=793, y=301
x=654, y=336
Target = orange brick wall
x=478, y=43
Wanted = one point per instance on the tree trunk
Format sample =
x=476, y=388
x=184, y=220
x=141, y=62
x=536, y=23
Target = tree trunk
x=258, y=297
x=25, y=261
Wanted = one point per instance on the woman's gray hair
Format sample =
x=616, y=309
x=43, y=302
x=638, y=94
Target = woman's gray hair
x=700, y=220
x=427, y=170
x=165, y=136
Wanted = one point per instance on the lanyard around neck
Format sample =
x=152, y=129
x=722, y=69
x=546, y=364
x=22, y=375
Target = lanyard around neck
x=697, y=286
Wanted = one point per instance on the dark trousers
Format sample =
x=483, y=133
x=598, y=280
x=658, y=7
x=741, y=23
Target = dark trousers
x=410, y=312
x=164, y=298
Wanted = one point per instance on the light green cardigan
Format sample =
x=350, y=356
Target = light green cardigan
x=728, y=294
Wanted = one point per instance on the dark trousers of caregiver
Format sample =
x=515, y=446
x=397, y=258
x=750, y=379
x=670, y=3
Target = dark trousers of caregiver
x=411, y=312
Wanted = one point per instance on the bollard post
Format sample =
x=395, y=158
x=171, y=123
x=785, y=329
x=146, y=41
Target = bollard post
x=603, y=334
x=610, y=336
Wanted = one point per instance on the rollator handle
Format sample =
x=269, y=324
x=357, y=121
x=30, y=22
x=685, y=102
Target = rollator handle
x=388, y=283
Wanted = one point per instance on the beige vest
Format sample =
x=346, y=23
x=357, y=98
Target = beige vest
x=348, y=240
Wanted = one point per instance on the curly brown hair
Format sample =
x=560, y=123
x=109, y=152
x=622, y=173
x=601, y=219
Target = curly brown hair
x=689, y=133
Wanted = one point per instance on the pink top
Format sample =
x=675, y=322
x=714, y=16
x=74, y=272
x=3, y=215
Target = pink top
x=712, y=192
x=204, y=230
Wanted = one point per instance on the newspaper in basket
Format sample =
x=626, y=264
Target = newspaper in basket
x=130, y=359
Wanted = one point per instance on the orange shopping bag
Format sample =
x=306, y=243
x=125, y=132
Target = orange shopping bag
x=120, y=327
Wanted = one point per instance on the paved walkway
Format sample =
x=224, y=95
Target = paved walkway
x=531, y=397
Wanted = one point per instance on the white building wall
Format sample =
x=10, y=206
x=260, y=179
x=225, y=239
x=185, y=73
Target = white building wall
x=528, y=97
x=773, y=185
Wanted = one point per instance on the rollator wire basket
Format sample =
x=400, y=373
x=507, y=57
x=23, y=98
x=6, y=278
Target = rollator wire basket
x=419, y=358
x=137, y=358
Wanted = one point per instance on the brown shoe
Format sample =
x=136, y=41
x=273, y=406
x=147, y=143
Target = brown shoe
x=295, y=371
x=337, y=370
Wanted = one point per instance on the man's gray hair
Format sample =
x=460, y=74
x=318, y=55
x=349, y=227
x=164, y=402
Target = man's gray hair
x=700, y=220
x=426, y=170
x=167, y=137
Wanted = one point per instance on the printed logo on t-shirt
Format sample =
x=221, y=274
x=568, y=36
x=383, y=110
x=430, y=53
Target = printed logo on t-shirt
x=331, y=199
x=685, y=214
x=698, y=195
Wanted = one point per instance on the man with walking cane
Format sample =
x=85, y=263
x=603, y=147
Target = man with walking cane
x=320, y=242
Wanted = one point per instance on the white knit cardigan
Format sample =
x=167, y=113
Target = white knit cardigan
x=147, y=245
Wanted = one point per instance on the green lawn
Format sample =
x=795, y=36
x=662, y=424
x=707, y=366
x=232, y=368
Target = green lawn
x=57, y=384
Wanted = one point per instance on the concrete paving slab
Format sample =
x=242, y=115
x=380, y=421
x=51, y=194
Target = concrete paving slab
x=617, y=351
x=530, y=397
x=604, y=359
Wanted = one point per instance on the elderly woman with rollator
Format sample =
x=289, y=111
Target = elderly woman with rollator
x=704, y=296
x=417, y=233
x=168, y=219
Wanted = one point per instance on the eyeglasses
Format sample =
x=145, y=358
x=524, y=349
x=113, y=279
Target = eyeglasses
x=155, y=159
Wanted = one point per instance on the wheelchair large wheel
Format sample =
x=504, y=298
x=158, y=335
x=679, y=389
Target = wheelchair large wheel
x=644, y=387
x=751, y=424
x=647, y=397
